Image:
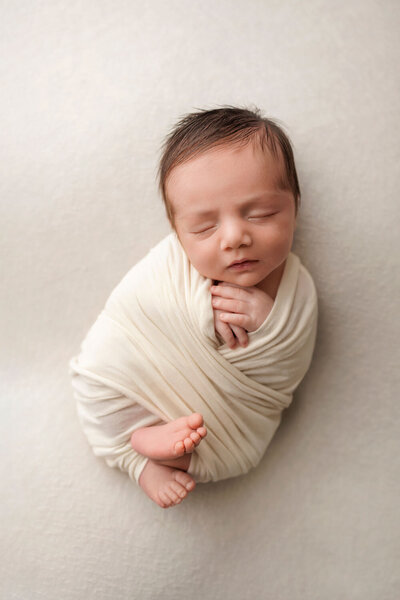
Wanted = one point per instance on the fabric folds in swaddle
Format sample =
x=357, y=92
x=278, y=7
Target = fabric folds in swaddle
x=152, y=355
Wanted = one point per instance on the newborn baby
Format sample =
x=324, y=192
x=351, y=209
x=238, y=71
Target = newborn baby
x=230, y=188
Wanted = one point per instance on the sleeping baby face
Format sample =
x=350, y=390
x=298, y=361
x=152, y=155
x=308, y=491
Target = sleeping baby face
x=230, y=207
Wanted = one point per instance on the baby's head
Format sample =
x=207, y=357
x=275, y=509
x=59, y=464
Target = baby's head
x=229, y=184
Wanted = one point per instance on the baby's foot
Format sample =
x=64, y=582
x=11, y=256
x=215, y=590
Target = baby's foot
x=164, y=485
x=162, y=442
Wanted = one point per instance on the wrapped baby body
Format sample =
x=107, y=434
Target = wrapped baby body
x=153, y=356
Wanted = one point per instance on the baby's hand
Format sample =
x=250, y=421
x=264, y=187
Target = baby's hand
x=239, y=309
x=228, y=332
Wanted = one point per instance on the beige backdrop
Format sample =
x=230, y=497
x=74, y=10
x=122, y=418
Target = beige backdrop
x=89, y=88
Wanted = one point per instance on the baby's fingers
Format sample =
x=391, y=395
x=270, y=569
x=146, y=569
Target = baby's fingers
x=234, y=306
x=224, y=330
x=241, y=335
x=227, y=335
x=235, y=319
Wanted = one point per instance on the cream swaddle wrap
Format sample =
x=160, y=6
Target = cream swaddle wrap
x=152, y=355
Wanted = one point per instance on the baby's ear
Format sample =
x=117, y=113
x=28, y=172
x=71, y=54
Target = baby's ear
x=295, y=223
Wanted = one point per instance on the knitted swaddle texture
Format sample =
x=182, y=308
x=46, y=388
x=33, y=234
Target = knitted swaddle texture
x=152, y=355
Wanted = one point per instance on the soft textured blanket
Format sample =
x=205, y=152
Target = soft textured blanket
x=152, y=355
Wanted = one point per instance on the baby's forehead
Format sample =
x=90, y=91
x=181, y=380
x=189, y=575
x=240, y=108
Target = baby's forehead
x=268, y=158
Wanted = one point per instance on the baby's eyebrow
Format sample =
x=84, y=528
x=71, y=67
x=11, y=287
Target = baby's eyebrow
x=201, y=213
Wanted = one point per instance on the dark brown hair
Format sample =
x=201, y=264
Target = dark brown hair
x=199, y=131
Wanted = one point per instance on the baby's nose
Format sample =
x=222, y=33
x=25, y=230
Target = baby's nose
x=234, y=235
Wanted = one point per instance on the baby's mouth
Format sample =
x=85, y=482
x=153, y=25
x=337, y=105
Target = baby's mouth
x=243, y=264
x=242, y=260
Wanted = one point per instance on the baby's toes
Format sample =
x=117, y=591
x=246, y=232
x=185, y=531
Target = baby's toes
x=166, y=501
x=184, y=479
x=179, y=448
x=172, y=495
x=189, y=444
x=202, y=431
x=178, y=489
x=195, y=437
x=195, y=420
